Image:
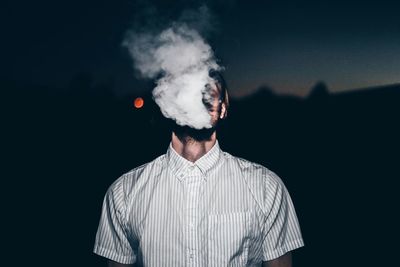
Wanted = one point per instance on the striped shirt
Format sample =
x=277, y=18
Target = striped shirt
x=219, y=211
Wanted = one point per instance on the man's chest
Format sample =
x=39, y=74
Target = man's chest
x=195, y=221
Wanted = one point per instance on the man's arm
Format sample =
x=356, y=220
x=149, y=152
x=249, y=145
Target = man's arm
x=117, y=264
x=282, y=261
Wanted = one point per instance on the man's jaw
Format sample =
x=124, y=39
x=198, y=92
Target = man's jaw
x=188, y=134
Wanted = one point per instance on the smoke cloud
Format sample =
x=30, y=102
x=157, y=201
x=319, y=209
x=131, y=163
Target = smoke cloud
x=179, y=59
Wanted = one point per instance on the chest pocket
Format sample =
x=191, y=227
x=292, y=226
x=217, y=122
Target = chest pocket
x=228, y=239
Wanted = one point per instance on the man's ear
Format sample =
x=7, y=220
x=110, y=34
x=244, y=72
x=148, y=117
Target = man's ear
x=224, y=111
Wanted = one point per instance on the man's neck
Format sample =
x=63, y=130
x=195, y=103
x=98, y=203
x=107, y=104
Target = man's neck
x=191, y=149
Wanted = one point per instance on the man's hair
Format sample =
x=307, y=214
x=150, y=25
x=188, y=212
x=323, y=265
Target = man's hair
x=221, y=84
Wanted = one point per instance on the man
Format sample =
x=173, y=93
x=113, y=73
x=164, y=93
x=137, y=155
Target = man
x=198, y=206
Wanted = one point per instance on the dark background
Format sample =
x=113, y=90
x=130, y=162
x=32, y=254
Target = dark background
x=341, y=168
x=65, y=140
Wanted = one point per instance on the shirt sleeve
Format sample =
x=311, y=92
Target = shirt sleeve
x=281, y=229
x=112, y=239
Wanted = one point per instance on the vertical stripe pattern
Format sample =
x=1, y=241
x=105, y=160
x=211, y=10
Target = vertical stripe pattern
x=219, y=211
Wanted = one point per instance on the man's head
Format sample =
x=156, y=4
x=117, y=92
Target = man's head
x=216, y=100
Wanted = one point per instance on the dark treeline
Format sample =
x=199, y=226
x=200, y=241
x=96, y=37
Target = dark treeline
x=337, y=154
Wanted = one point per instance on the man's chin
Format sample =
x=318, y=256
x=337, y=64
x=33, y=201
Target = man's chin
x=186, y=132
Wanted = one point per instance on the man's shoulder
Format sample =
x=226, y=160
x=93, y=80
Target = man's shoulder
x=128, y=180
x=248, y=165
x=263, y=183
x=253, y=171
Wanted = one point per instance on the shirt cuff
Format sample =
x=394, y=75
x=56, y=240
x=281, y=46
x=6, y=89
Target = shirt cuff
x=113, y=256
x=270, y=255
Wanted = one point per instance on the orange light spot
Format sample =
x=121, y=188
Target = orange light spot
x=139, y=102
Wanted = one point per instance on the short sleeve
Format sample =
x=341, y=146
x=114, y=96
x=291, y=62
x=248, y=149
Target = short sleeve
x=281, y=229
x=112, y=239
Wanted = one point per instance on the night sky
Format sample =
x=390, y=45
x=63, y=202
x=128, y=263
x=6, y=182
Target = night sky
x=285, y=45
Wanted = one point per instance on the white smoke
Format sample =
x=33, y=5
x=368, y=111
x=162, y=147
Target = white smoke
x=181, y=60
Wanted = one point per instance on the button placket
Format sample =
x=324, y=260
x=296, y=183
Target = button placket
x=193, y=185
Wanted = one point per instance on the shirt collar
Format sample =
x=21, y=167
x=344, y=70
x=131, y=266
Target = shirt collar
x=180, y=166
